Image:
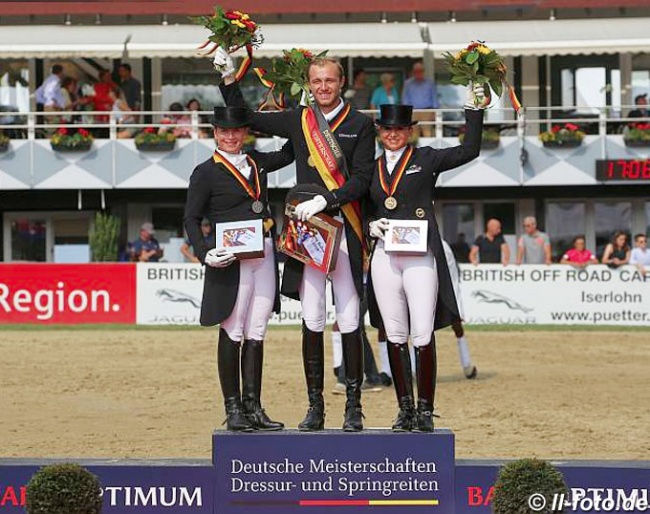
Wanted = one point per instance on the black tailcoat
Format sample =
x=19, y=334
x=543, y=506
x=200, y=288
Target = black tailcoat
x=356, y=137
x=215, y=193
x=416, y=191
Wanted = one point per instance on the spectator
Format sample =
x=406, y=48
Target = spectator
x=147, y=248
x=102, y=99
x=420, y=92
x=182, y=123
x=640, y=256
x=130, y=86
x=208, y=240
x=641, y=111
x=121, y=111
x=386, y=93
x=195, y=105
x=461, y=249
x=359, y=93
x=534, y=247
x=49, y=92
x=617, y=252
x=491, y=247
x=579, y=256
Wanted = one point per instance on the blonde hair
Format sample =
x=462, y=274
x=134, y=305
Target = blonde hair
x=324, y=61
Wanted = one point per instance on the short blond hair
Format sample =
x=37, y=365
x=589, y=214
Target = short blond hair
x=324, y=61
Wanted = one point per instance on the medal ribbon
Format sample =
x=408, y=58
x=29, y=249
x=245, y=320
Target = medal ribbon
x=401, y=167
x=270, y=101
x=254, y=194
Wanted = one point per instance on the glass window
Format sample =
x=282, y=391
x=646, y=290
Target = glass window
x=504, y=212
x=609, y=218
x=168, y=222
x=28, y=240
x=458, y=228
x=564, y=221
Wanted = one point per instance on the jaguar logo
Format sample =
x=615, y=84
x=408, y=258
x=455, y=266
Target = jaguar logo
x=171, y=295
x=482, y=295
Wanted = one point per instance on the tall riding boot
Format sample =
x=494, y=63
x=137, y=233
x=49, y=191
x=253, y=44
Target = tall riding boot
x=353, y=362
x=228, y=365
x=426, y=371
x=400, y=367
x=252, y=358
x=313, y=358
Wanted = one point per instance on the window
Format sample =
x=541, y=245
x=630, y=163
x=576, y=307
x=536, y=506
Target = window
x=609, y=218
x=28, y=242
x=504, y=212
x=168, y=222
x=458, y=228
x=564, y=221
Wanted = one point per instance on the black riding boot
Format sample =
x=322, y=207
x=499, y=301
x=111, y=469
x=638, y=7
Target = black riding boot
x=400, y=367
x=252, y=357
x=313, y=359
x=426, y=371
x=228, y=365
x=353, y=362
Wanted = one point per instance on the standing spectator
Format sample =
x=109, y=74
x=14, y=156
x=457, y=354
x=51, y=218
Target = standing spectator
x=359, y=93
x=534, y=247
x=641, y=111
x=420, y=92
x=195, y=105
x=640, y=256
x=461, y=249
x=491, y=247
x=130, y=86
x=102, y=99
x=386, y=94
x=579, y=256
x=617, y=252
x=208, y=241
x=147, y=248
x=49, y=92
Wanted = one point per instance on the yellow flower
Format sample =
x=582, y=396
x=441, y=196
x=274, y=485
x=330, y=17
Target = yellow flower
x=482, y=49
x=238, y=24
x=245, y=17
x=458, y=56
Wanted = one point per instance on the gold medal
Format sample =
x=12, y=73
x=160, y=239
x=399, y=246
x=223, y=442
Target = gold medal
x=419, y=212
x=257, y=207
x=310, y=161
x=390, y=203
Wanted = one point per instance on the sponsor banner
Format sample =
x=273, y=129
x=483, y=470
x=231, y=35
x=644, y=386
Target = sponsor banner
x=558, y=294
x=126, y=487
x=67, y=293
x=170, y=294
x=274, y=473
x=601, y=486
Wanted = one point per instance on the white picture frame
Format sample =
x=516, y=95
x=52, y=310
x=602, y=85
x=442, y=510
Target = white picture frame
x=245, y=239
x=407, y=236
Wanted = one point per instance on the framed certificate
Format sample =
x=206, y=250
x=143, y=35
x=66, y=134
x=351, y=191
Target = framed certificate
x=245, y=239
x=407, y=236
x=314, y=242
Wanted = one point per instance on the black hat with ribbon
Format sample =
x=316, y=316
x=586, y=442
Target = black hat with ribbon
x=395, y=116
x=231, y=117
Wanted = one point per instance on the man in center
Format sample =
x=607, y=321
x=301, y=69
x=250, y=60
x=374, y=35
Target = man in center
x=342, y=189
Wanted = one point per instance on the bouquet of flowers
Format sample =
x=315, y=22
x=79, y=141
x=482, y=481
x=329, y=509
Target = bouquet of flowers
x=289, y=74
x=637, y=132
x=63, y=139
x=480, y=64
x=231, y=30
x=562, y=134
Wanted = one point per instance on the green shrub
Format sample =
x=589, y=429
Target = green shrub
x=103, y=238
x=518, y=480
x=63, y=489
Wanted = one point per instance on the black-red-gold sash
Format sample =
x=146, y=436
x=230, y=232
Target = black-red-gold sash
x=271, y=101
x=329, y=159
x=245, y=64
x=398, y=171
x=253, y=193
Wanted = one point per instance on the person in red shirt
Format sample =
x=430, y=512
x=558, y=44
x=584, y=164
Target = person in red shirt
x=579, y=256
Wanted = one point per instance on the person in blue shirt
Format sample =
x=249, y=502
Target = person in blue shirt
x=420, y=92
x=386, y=93
x=208, y=239
x=147, y=248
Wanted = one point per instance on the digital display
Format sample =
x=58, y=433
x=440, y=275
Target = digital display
x=626, y=170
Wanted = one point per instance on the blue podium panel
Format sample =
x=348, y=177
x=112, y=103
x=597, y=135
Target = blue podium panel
x=375, y=471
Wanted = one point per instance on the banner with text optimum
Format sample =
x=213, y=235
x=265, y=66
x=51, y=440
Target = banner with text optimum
x=170, y=294
x=556, y=294
x=67, y=293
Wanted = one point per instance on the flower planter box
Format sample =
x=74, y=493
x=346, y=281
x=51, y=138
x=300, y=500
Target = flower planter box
x=156, y=147
x=82, y=147
x=562, y=144
x=489, y=145
x=4, y=147
x=637, y=143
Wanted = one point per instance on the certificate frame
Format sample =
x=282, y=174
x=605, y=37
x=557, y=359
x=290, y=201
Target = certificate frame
x=244, y=239
x=409, y=237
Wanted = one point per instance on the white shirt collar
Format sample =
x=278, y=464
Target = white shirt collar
x=392, y=158
x=238, y=160
x=332, y=114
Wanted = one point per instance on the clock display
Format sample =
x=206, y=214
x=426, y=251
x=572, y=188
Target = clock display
x=626, y=170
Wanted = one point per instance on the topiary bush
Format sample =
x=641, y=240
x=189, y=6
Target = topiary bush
x=103, y=238
x=519, y=480
x=63, y=489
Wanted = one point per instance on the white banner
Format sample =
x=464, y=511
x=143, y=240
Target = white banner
x=555, y=295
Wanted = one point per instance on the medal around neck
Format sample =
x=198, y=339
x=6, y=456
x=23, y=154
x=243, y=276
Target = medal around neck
x=257, y=207
x=390, y=203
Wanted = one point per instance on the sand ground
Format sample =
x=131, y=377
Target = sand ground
x=154, y=394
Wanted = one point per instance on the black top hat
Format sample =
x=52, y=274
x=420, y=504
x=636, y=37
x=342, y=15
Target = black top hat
x=395, y=116
x=231, y=117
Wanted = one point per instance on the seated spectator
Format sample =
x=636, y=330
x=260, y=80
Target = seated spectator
x=534, y=247
x=122, y=113
x=182, y=123
x=579, y=256
x=195, y=105
x=641, y=111
x=147, y=248
x=617, y=252
x=491, y=247
x=640, y=255
x=208, y=240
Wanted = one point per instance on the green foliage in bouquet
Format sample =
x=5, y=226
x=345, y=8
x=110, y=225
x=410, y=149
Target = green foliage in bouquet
x=231, y=30
x=477, y=63
x=289, y=73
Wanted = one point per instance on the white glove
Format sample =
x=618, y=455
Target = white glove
x=378, y=228
x=476, y=98
x=219, y=258
x=307, y=99
x=306, y=210
x=223, y=63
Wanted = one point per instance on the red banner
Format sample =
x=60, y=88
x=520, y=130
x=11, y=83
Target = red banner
x=67, y=293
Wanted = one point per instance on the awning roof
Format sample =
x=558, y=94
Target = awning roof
x=546, y=37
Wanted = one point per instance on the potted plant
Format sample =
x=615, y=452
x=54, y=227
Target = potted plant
x=103, y=238
x=489, y=140
x=528, y=486
x=149, y=140
x=637, y=134
x=65, y=140
x=567, y=136
x=63, y=489
x=4, y=142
